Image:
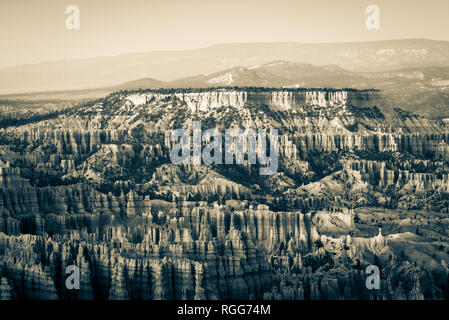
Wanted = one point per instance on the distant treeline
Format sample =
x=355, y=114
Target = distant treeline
x=252, y=89
x=13, y=122
x=30, y=118
x=22, y=102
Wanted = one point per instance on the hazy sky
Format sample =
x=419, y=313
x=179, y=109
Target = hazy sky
x=34, y=30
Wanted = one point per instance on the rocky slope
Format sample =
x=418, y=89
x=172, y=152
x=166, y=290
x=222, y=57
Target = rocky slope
x=95, y=187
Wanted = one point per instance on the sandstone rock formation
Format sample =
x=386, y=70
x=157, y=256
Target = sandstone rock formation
x=95, y=188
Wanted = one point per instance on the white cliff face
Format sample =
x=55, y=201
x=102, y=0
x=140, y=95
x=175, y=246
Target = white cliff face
x=203, y=101
x=282, y=99
x=198, y=101
x=286, y=100
x=325, y=99
x=138, y=99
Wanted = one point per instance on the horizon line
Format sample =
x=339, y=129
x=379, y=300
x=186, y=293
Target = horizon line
x=215, y=45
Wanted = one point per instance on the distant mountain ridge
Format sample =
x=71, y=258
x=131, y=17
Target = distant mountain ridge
x=276, y=74
x=170, y=65
x=423, y=90
x=298, y=74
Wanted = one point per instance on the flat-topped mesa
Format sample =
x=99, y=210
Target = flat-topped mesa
x=203, y=100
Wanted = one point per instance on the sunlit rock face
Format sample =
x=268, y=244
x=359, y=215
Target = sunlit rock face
x=355, y=186
x=211, y=100
x=284, y=99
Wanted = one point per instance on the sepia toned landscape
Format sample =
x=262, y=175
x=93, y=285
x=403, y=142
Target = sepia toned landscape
x=87, y=177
